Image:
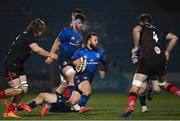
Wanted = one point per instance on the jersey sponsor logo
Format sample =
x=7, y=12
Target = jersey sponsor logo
x=73, y=38
x=89, y=63
x=85, y=77
x=97, y=55
x=85, y=57
x=155, y=37
x=157, y=50
x=74, y=44
x=64, y=63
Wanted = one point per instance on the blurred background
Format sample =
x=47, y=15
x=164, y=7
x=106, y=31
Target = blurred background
x=113, y=20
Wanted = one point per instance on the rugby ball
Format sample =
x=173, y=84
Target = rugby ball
x=83, y=66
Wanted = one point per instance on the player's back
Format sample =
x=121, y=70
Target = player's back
x=20, y=51
x=152, y=43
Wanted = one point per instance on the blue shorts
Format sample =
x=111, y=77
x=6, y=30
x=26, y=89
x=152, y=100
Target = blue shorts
x=58, y=106
x=64, y=60
x=80, y=78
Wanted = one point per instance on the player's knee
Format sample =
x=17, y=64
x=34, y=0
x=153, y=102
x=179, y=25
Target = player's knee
x=70, y=72
x=137, y=83
x=41, y=95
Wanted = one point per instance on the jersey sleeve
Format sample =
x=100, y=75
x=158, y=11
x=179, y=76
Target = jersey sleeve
x=31, y=40
x=104, y=61
x=63, y=35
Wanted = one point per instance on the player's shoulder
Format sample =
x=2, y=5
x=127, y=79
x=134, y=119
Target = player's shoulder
x=138, y=27
x=67, y=29
x=100, y=50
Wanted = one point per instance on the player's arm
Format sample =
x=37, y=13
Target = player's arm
x=59, y=40
x=104, y=66
x=54, y=49
x=76, y=59
x=172, y=42
x=40, y=51
x=136, y=37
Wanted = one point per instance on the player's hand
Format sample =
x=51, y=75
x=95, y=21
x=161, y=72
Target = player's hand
x=77, y=62
x=135, y=56
x=167, y=54
x=102, y=74
x=54, y=56
x=49, y=60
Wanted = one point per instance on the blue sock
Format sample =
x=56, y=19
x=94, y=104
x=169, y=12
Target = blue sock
x=142, y=99
x=32, y=104
x=83, y=100
x=71, y=89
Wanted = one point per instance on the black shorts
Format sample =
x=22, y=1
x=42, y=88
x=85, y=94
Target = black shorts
x=153, y=66
x=152, y=77
x=13, y=71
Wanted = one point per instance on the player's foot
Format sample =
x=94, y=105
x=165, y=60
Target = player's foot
x=9, y=106
x=177, y=93
x=149, y=93
x=127, y=112
x=10, y=115
x=144, y=108
x=25, y=107
x=84, y=109
x=44, y=109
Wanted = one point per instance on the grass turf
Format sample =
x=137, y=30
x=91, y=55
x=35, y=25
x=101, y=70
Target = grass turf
x=109, y=106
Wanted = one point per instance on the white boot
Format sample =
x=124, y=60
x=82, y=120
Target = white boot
x=144, y=108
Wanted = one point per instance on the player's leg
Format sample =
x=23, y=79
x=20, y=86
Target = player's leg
x=85, y=88
x=15, y=90
x=64, y=84
x=136, y=84
x=168, y=86
x=142, y=96
x=155, y=86
x=74, y=99
x=41, y=98
x=24, y=86
x=69, y=74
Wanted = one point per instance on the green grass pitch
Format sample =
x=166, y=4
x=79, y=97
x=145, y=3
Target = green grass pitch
x=109, y=106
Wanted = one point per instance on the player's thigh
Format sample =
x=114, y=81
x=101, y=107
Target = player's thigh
x=143, y=87
x=140, y=77
x=155, y=86
x=85, y=86
x=49, y=97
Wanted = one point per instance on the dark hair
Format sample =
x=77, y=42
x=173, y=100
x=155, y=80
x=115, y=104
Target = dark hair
x=79, y=16
x=37, y=25
x=76, y=10
x=88, y=36
x=145, y=18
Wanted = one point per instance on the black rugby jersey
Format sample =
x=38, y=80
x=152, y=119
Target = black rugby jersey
x=152, y=42
x=20, y=51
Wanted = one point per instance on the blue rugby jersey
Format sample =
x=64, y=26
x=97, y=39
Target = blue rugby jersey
x=93, y=58
x=70, y=41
